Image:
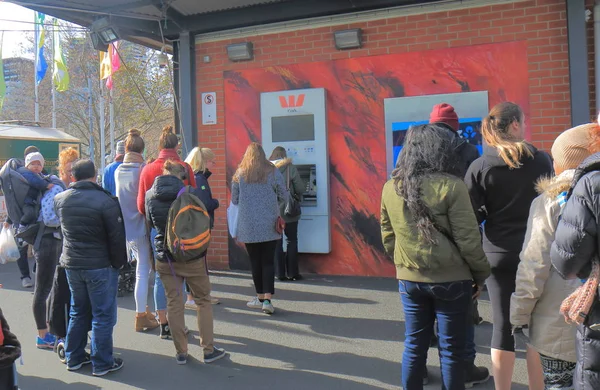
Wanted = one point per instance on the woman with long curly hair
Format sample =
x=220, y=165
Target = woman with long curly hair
x=65, y=160
x=257, y=188
x=502, y=186
x=428, y=226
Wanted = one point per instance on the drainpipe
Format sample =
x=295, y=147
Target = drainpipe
x=597, y=52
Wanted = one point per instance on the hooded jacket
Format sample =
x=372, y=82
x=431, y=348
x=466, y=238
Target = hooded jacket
x=296, y=185
x=127, y=181
x=158, y=201
x=203, y=192
x=92, y=227
x=574, y=248
x=501, y=196
x=10, y=347
x=456, y=256
x=539, y=288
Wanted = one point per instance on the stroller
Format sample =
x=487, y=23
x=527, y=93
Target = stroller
x=127, y=275
x=59, y=305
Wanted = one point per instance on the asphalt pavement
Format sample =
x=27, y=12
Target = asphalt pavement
x=328, y=332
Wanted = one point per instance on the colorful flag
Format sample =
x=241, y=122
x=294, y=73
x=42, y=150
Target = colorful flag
x=60, y=76
x=2, y=81
x=109, y=64
x=41, y=65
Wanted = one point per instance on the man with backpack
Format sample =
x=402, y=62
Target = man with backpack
x=15, y=191
x=182, y=224
x=93, y=252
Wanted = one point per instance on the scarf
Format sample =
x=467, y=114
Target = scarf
x=577, y=306
x=133, y=157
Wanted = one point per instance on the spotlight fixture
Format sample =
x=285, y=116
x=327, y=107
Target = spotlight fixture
x=348, y=39
x=97, y=42
x=163, y=59
x=107, y=32
x=240, y=51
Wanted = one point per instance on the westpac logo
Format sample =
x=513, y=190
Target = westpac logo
x=291, y=102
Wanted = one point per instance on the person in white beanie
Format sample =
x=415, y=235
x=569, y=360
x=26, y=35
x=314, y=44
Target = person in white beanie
x=34, y=164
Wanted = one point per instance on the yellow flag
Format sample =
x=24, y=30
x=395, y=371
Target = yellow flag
x=60, y=74
x=105, y=65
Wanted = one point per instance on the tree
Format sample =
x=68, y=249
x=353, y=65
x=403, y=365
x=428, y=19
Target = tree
x=141, y=93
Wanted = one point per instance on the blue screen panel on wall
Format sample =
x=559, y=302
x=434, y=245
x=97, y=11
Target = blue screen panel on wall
x=401, y=113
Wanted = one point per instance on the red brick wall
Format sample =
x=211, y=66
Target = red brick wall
x=542, y=23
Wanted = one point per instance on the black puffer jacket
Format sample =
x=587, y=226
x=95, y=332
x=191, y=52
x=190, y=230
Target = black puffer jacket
x=158, y=201
x=92, y=227
x=574, y=248
x=10, y=347
x=203, y=192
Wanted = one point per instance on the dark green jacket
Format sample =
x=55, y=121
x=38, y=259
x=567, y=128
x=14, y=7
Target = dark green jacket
x=419, y=261
x=296, y=185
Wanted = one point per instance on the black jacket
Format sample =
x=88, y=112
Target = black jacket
x=204, y=193
x=502, y=196
x=575, y=246
x=92, y=227
x=468, y=154
x=10, y=348
x=158, y=201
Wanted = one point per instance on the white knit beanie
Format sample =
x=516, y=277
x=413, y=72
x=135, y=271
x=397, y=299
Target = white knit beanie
x=35, y=156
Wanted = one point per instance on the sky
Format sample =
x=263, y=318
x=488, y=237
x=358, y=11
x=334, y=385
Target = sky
x=11, y=38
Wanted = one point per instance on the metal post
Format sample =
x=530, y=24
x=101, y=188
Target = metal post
x=53, y=70
x=91, y=118
x=36, y=38
x=102, y=135
x=111, y=109
x=187, y=99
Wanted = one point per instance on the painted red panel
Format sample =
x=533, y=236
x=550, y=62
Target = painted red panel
x=356, y=88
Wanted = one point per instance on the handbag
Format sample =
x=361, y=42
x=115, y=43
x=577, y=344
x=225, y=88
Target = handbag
x=232, y=219
x=292, y=206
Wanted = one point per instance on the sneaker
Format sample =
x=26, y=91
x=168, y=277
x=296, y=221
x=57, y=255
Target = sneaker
x=86, y=360
x=425, y=377
x=190, y=305
x=165, y=331
x=255, y=304
x=214, y=301
x=26, y=282
x=296, y=278
x=47, y=342
x=216, y=354
x=267, y=307
x=117, y=365
x=181, y=358
x=475, y=375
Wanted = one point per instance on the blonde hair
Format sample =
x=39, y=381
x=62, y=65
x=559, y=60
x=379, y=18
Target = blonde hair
x=495, y=129
x=254, y=168
x=198, y=158
x=65, y=157
x=174, y=168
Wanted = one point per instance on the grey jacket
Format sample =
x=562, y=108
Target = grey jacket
x=258, y=207
x=296, y=185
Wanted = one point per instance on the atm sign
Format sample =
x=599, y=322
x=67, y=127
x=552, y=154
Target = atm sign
x=291, y=101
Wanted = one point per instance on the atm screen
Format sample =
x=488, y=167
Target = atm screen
x=293, y=128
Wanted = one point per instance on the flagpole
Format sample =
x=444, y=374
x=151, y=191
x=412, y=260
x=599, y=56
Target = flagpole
x=91, y=118
x=53, y=71
x=37, y=51
x=102, y=136
x=112, y=124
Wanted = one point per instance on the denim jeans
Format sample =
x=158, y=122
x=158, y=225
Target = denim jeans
x=93, y=299
x=160, y=299
x=423, y=303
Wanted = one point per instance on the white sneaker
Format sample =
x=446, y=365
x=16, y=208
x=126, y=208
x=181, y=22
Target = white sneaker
x=267, y=307
x=190, y=305
x=255, y=304
x=27, y=283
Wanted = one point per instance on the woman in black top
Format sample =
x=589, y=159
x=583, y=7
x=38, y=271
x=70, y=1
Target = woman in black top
x=502, y=186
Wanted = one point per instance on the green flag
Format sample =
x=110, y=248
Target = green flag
x=2, y=82
x=60, y=75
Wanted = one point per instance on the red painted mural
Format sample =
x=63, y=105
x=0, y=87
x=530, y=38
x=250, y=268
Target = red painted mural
x=355, y=91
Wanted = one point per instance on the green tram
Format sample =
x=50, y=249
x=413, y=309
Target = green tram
x=15, y=136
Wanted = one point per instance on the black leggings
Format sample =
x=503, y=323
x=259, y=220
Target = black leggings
x=501, y=286
x=262, y=259
x=46, y=259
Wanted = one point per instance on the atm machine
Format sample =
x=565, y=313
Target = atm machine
x=297, y=121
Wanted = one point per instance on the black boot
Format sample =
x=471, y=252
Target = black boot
x=475, y=375
x=425, y=377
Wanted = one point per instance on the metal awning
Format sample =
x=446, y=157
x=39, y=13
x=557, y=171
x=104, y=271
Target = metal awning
x=148, y=22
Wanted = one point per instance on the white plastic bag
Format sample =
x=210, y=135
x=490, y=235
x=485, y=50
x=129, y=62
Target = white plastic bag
x=232, y=219
x=9, y=251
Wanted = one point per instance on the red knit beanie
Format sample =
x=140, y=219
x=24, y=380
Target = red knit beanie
x=444, y=113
